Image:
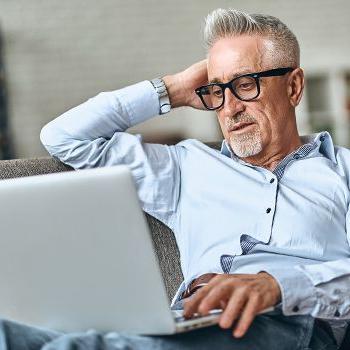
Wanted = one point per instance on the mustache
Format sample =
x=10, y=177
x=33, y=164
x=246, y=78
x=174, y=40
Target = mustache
x=239, y=118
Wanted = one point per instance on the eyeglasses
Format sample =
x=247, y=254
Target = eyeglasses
x=245, y=87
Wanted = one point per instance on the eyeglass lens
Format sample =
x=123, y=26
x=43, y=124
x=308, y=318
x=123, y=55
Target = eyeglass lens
x=244, y=87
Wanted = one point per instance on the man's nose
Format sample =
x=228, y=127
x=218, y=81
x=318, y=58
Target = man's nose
x=232, y=105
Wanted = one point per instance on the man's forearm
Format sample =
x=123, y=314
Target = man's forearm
x=93, y=135
x=118, y=110
x=103, y=115
x=84, y=135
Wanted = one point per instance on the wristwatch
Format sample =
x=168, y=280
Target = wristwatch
x=164, y=102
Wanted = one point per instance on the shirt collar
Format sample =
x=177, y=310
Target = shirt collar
x=323, y=140
x=225, y=149
x=324, y=144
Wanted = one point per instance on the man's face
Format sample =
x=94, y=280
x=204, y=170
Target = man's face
x=255, y=126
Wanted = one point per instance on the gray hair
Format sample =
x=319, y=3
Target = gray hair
x=223, y=23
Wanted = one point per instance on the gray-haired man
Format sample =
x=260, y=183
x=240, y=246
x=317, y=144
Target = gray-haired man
x=262, y=223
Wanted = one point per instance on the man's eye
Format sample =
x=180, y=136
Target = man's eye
x=217, y=92
x=246, y=86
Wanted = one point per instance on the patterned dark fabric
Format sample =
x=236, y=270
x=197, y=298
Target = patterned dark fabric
x=247, y=244
x=301, y=152
x=346, y=341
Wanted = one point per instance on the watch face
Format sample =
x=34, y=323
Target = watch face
x=165, y=108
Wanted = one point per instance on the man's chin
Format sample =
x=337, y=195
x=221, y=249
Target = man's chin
x=244, y=149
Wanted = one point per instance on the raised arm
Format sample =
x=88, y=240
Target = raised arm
x=93, y=135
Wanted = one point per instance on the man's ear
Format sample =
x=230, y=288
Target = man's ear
x=296, y=86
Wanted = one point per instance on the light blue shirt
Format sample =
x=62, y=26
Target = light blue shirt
x=210, y=198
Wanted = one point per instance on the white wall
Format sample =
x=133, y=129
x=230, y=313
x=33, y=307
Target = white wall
x=58, y=53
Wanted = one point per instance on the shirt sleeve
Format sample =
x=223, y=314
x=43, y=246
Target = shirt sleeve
x=310, y=289
x=93, y=135
x=320, y=290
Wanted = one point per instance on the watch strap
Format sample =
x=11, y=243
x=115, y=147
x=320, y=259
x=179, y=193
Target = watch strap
x=164, y=102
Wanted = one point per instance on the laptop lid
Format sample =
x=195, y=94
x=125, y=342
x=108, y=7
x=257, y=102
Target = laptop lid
x=76, y=254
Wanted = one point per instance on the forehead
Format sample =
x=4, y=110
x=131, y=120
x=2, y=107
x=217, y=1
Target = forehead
x=233, y=56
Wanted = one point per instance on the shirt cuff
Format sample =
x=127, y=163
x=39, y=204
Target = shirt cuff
x=141, y=101
x=178, y=294
x=297, y=291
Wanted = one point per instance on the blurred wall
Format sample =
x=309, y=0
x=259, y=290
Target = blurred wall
x=59, y=53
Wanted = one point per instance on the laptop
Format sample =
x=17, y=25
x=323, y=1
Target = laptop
x=76, y=254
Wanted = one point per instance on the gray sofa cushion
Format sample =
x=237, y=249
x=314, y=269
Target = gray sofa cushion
x=168, y=254
x=29, y=167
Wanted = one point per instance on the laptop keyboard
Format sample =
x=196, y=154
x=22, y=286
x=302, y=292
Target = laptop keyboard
x=178, y=315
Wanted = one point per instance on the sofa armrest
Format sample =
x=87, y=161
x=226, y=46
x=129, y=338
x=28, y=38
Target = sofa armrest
x=28, y=167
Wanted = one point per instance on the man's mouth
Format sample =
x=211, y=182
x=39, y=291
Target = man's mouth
x=240, y=126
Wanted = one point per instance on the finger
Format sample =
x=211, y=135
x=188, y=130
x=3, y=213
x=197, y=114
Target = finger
x=220, y=292
x=191, y=303
x=234, y=308
x=249, y=312
x=223, y=304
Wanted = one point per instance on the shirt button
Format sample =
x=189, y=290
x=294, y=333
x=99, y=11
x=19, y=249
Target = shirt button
x=337, y=313
x=296, y=156
x=322, y=138
x=272, y=181
x=268, y=210
x=295, y=308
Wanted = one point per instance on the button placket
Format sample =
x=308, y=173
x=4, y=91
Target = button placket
x=270, y=203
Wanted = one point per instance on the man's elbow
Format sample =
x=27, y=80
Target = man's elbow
x=51, y=138
x=47, y=135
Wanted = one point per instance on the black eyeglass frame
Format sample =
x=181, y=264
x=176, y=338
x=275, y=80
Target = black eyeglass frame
x=268, y=73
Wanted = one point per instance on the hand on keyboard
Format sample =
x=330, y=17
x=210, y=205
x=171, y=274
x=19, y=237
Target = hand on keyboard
x=241, y=296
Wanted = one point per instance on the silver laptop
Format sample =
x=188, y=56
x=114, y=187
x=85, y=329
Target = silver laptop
x=76, y=254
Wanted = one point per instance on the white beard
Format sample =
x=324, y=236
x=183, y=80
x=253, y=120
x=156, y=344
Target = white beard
x=247, y=144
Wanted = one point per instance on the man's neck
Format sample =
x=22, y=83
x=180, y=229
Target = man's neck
x=274, y=155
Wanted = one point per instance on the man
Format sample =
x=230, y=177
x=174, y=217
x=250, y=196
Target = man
x=261, y=223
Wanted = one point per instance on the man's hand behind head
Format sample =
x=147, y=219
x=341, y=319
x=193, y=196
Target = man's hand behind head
x=181, y=86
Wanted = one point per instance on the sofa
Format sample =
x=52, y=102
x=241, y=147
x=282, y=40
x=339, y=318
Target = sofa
x=163, y=238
